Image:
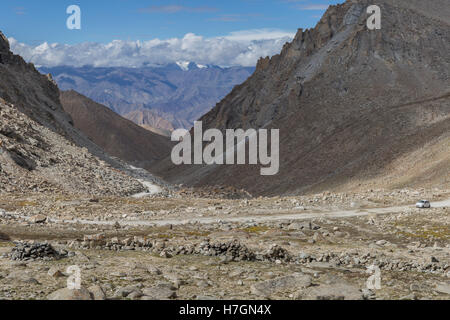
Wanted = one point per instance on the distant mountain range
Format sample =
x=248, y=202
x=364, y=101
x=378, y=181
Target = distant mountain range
x=157, y=97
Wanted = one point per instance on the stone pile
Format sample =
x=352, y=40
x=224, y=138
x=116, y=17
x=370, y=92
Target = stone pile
x=216, y=192
x=232, y=249
x=99, y=242
x=30, y=251
x=277, y=253
x=236, y=251
x=364, y=260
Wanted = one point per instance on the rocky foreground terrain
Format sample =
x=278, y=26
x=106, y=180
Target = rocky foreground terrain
x=178, y=247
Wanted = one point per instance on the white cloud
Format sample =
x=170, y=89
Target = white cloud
x=242, y=48
x=259, y=34
x=314, y=7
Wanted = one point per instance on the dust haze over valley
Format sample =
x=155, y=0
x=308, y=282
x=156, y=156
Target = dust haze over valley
x=87, y=180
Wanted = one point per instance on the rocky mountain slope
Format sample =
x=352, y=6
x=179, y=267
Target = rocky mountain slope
x=150, y=121
x=174, y=94
x=117, y=136
x=356, y=108
x=36, y=159
x=41, y=150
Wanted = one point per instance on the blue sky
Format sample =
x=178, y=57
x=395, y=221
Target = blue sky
x=33, y=22
x=136, y=33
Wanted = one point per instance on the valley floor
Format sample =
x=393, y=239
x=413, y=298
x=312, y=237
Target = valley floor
x=179, y=247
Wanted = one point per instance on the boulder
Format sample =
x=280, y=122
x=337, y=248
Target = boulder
x=162, y=291
x=70, y=294
x=38, y=219
x=287, y=283
x=443, y=288
x=335, y=291
x=97, y=292
x=55, y=272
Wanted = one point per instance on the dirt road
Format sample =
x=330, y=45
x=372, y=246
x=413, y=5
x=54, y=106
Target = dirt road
x=259, y=216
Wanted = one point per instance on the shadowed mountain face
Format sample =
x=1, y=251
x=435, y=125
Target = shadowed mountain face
x=117, y=136
x=32, y=93
x=172, y=94
x=356, y=108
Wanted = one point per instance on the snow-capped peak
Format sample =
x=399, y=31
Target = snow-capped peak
x=187, y=65
x=184, y=65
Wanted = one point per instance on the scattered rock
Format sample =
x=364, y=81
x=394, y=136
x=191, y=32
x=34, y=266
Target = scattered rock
x=124, y=292
x=335, y=291
x=162, y=291
x=97, y=292
x=443, y=288
x=70, y=294
x=55, y=272
x=287, y=283
x=38, y=219
x=153, y=270
x=411, y=296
